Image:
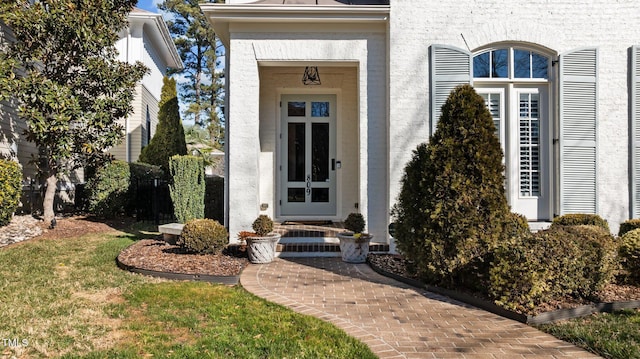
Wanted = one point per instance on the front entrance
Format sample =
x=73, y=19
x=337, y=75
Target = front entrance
x=308, y=156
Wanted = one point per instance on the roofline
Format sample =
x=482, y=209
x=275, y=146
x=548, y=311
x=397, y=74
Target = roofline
x=161, y=26
x=220, y=15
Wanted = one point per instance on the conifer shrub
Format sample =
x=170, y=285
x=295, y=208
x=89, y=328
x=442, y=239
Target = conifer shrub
x=354, y=222
x=629, y=252
x=108, y=189
x=263, y=225
x=577, y=219
x=169, y=138
x=203, y=236
x=10, y=189
x=628, y=225
x=187, y=189
x=452, y=208
x=562, y=261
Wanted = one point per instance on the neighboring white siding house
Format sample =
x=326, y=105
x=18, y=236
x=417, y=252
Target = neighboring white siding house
x=146, y=40
x=561, y=79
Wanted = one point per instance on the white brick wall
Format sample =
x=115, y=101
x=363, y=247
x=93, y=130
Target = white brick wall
x=559, y=25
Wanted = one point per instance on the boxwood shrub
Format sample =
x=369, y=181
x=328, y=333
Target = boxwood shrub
x=628, y=225
x=577, y=219
x=562, y=261
x=10, y=189
x=203, y=236
x=630, y=255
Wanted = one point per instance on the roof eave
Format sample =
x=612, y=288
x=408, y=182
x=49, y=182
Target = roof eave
x=221, y=15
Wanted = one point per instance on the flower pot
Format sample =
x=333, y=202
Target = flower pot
x=262, y=249
x=353, y=249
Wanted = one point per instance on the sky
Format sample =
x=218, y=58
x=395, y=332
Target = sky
x=149, y=5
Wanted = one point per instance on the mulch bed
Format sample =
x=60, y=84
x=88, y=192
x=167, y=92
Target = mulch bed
x=159, y=256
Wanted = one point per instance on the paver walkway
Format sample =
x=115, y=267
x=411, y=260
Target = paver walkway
x=395, y=319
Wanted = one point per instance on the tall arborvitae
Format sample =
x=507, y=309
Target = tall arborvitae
x=169, y=137
x=452, y=207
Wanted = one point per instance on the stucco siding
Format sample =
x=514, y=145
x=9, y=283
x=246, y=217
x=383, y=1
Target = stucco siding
x=559, y=26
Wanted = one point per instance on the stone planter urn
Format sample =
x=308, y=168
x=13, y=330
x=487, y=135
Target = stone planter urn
x=262, y=249
x=354, y=248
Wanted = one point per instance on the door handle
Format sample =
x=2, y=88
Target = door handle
x=333, y=164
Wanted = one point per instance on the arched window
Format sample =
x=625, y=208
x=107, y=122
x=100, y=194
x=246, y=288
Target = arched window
x=510, y=63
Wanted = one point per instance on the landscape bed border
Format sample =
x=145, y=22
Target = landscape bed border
x=542, y=318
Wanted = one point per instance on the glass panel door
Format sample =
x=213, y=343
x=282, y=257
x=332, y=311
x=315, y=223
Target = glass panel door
x=308, y=156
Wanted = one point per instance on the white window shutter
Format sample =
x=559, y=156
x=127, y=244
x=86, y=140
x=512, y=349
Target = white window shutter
x=578, y=131
x=450, y=67
x=635, y=131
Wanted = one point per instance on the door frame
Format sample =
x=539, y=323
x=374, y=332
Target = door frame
x=279, y=176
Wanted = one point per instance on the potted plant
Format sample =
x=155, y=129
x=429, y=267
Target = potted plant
x=261, y=245
x=354, y=244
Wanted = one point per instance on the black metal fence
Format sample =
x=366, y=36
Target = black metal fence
x=151, y=201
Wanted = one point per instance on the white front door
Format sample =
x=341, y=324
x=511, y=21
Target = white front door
x=520, y=114
x=307, y=156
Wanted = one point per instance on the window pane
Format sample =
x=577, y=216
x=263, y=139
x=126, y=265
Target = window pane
x=296, y=148
x=529, y=152
x=319, y=152
x=499, y=64
x=319, y=109
x=492, y=100
x=319, y=195
x=481, y=65
x=540, y=65
x=296, y=109
x=522, y=64
x=295, y=194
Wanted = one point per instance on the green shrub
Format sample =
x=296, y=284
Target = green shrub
x=628, y=225
x=214, y=198
x=516, y=225
x=169, y=138
x=561, y=261
x=10, y=189
x=263, y=225
x=629, y=252
x=203, y=236
x=108, y=189
x=577, y=219
x=452, y=206
x=354, y=222
x=187, y=189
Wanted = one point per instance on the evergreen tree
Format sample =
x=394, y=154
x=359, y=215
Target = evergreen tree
x=74, y=90
x=169, y=138
x=452, y=206
x=198, y=48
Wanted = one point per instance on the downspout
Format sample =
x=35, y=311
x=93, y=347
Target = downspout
x=126, y=119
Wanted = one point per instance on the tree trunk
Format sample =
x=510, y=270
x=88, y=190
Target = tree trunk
x=49, y=196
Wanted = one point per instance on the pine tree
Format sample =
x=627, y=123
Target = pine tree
x=452, y=206
x=169, y=138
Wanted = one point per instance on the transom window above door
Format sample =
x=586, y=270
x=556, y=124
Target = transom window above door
x=511, y=63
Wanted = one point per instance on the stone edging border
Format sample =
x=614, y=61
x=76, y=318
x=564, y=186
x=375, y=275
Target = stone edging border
x=542, y=318
x=227, y=280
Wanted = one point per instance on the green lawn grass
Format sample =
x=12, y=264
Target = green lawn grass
x=611, y=335
x=68, y=299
